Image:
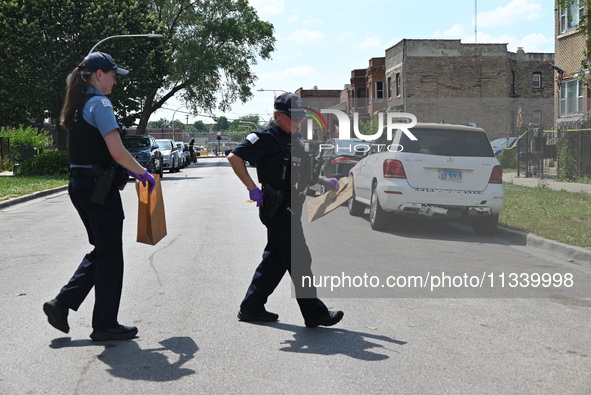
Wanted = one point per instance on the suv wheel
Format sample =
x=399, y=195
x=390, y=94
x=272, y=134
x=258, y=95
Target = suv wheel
x=486, y=225
x=355, y=208
x=151, y=168
x=378, y=218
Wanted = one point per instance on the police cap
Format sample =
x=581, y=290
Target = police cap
x=290, y=104
x=102, y=61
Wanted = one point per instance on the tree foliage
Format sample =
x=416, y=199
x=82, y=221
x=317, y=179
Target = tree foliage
x=42, y=41
x=212, y=46
x=205, y=58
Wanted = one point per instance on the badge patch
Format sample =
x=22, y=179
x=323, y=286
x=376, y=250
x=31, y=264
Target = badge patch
x=106, y=103
x=253, y=138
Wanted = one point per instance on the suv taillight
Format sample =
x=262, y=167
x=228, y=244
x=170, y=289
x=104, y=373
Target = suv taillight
x=343, y=160
x=393, y=169
x=496, y=177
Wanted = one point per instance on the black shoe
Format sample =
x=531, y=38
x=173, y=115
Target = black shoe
x=57, y=315
x=121, y=332
x=328, y=319
x=264, y=315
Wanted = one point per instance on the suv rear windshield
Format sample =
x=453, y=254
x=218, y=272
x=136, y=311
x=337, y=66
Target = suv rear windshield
x=136, y=142
x=447, y=143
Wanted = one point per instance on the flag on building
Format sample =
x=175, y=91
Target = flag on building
x=560, y=76
x=519, y=117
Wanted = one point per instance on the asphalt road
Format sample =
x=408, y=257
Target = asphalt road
x=183, y=294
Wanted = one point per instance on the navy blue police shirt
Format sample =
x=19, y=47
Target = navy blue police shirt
x=266, y=141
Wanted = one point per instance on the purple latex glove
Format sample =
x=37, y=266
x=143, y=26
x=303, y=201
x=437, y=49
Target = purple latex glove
x=331, y=183
x=256, y=195
x=146, y=177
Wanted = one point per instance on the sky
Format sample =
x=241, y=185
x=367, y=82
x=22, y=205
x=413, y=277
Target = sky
x=320, y=42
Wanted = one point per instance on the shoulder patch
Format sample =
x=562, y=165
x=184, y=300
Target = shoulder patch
x=253, y=138
x=106, y=103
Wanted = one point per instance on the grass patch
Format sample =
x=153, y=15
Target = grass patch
x=15, y=186
x=557, y=215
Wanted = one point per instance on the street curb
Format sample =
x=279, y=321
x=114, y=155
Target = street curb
x=572, y=254
x=26, y=198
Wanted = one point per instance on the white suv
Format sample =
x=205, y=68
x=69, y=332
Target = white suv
x=449, y=172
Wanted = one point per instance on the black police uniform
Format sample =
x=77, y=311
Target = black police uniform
x=103, y=267
x=270, y=149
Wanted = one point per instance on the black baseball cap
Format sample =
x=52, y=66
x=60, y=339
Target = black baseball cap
x=290, y=104
x=102, y=61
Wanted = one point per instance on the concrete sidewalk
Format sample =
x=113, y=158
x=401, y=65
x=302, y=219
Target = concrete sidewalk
x=546, y=182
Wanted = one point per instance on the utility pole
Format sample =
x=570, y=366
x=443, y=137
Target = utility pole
x=475, y=21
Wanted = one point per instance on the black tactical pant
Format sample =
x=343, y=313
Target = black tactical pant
x=286, y=251
x=103, y=267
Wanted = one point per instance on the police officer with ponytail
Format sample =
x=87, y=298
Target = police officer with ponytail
x=283, y=171
x=99, y=167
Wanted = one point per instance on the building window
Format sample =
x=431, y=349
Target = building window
x=571, y=97
x=512, y=82
x=537, y=118
x=389, y=87
x=537, y=80
x=571, y=15
x=398, y=85
x=379, y=90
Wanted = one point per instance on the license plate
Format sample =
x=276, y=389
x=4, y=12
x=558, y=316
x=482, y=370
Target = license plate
x=450, y=175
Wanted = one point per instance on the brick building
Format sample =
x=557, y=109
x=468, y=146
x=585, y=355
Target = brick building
x=572, y=109
x=482, y=84
x=570, y=102
x=318, y=99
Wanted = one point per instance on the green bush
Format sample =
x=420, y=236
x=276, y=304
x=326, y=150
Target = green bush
x=29, y=136
x=508, y=158
x=567, y=159
x=51, y=162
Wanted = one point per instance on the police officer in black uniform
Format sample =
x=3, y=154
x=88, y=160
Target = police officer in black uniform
x=99, y=166
x=278, y=152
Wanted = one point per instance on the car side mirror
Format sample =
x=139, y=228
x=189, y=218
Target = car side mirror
x=156, y=146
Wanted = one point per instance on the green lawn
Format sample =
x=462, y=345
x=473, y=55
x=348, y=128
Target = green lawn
x=557, y=215
x=15, y=186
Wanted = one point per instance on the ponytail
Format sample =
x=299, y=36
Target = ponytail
x=77, y=84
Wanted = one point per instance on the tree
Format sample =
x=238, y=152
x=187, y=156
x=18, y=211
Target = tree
x=42, y=41
x=199, y=126
x=162, y=123
x=205, y=57
x=221, y=124
x=212, y=45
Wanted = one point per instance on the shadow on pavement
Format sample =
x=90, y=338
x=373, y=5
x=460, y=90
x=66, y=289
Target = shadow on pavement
x=127, y=360
x=332, y=341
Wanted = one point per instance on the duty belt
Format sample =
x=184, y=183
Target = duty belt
x=81, y=172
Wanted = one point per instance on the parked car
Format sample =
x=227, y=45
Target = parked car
x=498, y=145
x=449, y=172
x=146, y=151
x=183, y=155
x=338, y=156
x=201, y=151
x=170, y=155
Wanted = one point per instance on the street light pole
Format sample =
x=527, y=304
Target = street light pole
x=271, y=90
x=150, y=35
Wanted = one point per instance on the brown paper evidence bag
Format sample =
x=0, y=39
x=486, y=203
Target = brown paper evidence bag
x=151, y=220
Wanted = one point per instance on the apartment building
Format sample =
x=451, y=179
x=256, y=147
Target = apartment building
x=571, y=100
x=482, y=84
